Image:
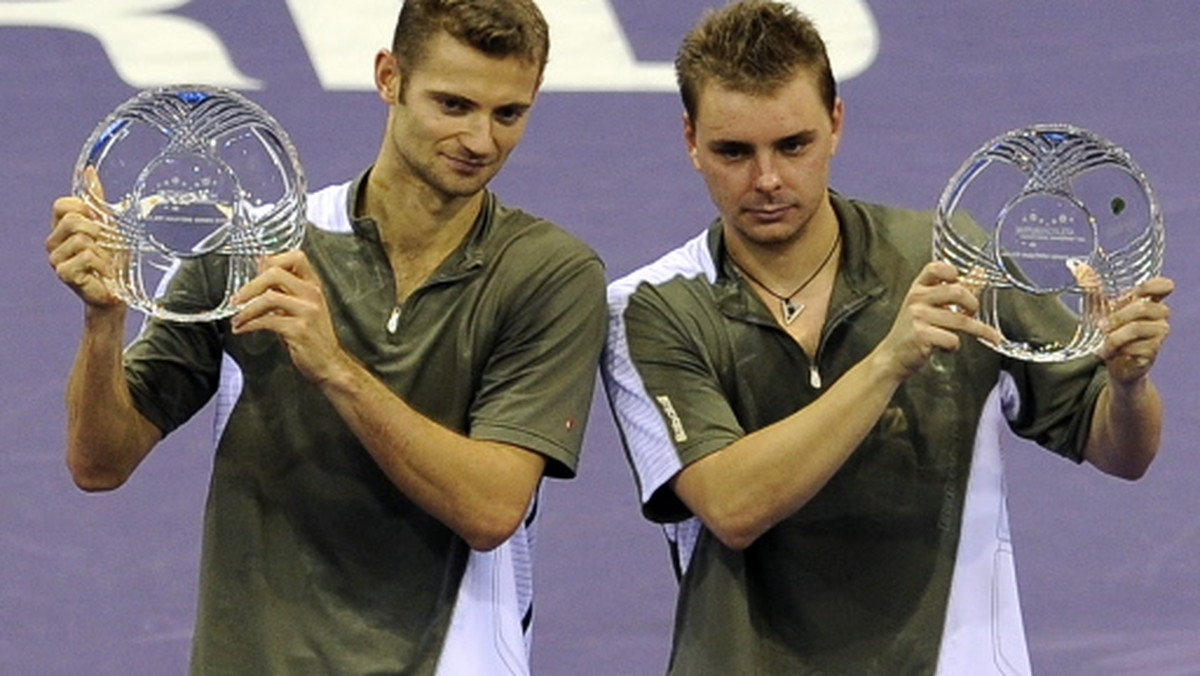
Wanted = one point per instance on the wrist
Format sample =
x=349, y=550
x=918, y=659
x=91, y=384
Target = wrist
x=105, y=318
x=342, y=374
x=1129, y=390
x=888, y=369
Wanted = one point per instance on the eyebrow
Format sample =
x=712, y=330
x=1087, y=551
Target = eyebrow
x=803, y=138
x=728, y=144
x=438, y=95
x=516, y=106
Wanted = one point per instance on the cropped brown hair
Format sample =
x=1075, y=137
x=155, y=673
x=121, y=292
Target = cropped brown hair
x=498, y=28
x=753, y=47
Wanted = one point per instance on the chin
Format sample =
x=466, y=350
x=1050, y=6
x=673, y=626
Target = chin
x=460, y=187
x=769, y=234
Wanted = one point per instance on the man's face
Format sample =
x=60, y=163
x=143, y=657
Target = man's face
x=765, y=158
x=460, y=115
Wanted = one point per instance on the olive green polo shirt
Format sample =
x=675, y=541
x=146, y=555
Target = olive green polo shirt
x=313, y=562
x=857, y=580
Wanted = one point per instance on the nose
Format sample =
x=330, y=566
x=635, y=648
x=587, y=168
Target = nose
x=477, y=137
x=766, y=178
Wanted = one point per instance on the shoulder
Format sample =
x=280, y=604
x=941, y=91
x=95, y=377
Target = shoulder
x=515, y=231
x=881, y=227
x=328, y=209
x=885, y=219
x=530, y=260
x=691, y=264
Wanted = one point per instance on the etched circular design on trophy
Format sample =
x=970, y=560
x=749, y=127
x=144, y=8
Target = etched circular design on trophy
x=192, y=184
x=1053, y=227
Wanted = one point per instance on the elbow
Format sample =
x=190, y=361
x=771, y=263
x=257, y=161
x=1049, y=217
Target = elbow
x=1130, y=466
x=93, y=479
x=1133, y=475
x=486, y=541
x=737, y=530
x=736, y=541
x=1130, y=471
x=491, y=528
x=97, y=466
x=735, y=520
x=93, y=476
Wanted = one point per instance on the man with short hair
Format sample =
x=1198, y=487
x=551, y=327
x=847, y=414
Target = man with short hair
x=399, y=385
x=833, y=500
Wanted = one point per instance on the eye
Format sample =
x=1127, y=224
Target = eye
x=510, y=115
x=793, y=145
x=453, y=105
x=731, y=151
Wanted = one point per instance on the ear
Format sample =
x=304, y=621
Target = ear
x=837, y=118
x=387, y=76
x=689, y=138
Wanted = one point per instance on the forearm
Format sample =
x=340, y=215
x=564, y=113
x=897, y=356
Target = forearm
x=745, y=489
x=107, y=437
x=748, y=487
x=1126, y=429
x=1127, y=421
x=479, y=489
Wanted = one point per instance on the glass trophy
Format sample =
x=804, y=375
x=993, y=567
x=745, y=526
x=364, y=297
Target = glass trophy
x=192, y=185
x=1053, y=227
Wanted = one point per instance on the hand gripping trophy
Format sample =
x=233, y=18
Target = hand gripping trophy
x=190, y=183
x=1050, y=214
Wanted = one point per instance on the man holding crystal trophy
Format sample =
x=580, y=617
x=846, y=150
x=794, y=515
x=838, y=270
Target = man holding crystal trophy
x=398, y=360
x=811, y=394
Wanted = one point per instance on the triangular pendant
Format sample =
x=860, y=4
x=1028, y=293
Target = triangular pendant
x=790, y=310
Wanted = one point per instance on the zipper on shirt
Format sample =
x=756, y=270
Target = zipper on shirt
x=814, y=373
x=393, y=321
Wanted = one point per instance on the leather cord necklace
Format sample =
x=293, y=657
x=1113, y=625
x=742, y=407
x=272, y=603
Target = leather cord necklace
x=790, y=309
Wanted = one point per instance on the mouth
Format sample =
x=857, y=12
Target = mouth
x=769, y=213
x=465, y=165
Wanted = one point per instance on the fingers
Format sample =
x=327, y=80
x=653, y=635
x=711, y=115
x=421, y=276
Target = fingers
x=952, y=301
x=1144, y=305
x=70, y=216
x=286, y=298
x=1136, y=330
x=73, y=250
x=934, y=328
x=286, y=286
x=287, y=273
x=939, y=309
x=91, y=183
x=270, y=310
x=942, y=326
x=78, y=257
x=295, y=262
x=1155, y=289
x=937, y=272
x=1130, y=355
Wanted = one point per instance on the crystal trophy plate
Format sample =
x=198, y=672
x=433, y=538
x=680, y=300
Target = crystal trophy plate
x=192, y=185
x=1053, y=226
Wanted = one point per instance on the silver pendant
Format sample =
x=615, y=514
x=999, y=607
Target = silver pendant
x=790, y=310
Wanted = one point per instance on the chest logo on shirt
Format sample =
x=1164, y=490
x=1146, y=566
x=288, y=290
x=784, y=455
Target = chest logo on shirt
x=668, y=410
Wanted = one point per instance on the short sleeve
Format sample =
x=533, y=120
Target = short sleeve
x=539, y=380
x=1057, y=400
x=661, y=379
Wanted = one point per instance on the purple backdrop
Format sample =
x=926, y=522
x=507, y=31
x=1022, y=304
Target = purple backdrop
x=105, y=584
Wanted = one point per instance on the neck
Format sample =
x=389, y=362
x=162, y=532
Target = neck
x=784, y=265
x=414, y=219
